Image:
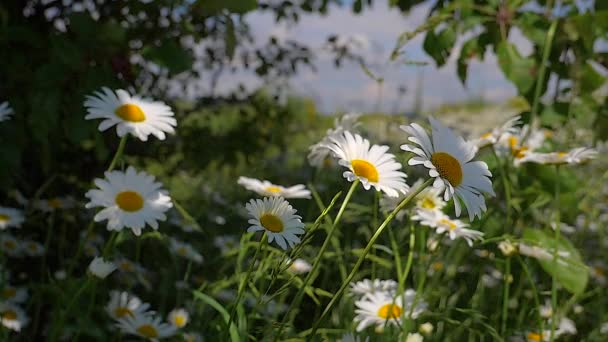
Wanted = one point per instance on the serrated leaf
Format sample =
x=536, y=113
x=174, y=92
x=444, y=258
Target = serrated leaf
x=569, y=270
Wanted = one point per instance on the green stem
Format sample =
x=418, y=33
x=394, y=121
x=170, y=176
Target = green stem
x=317, y=261
x=541, y=74
x=410, y=259
x=505, y=297
x=68, y=309
x=541, y=323
x=371, y=242
x=555, y=316
x=119, y=152
x=246, y=279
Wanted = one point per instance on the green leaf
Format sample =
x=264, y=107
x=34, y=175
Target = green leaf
x=439, y=46
x=569, y=270
x=230, y=38
x=212, y=7
x=469, y=50
x=590, y=79
x=519, y=70
x=170, y=55
x=234, y=334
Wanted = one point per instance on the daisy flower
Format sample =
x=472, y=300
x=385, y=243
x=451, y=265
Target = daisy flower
x=444, y=224
x=319, y=152
x=10, y=245
x=5, y=111
x=13, y=294
x=520, y=143
x=10, y=217
x=575, y=156
x=130, y=114
x=123, y=304
x=381, y=308
x=299, y=266
x=129, y=199
x=449, y=160
x=275, y=216
x=146, y=326
x=266, y=188
x=367, y=286
x=55, y=203
x=185, y=250
x=494, y=136
x=371, y=165
x=32, y=248
x=12, y=316
x=101, y=268
x=178, y=317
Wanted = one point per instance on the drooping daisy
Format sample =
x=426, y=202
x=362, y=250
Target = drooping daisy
x=366, y=286
x=449, y=160
x=299, y=266
x=55, y=203
x=12, y=316
x=319, y=152
x=130, y=199
x=178, y=317
x=146, y=326
x=381, y=308
x=13, y=294
x=32, y=248
x=10, y=217
x=266, y=188
x=575, y=156
x=371, y=165
x=131, y=114
x=444, y=224
x=5, y=111
x=123, y=304
x=10, y=245
x=494, y=136
x=278, y=218
x=185, y=250
x=101, y=268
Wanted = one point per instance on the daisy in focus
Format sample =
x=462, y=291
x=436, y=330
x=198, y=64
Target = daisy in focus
x=129, y=199
x=319, y=152
x=444, y=224
x=266, y=188
x=123, y=304
x=146, y=326
x=10, y=217
x=372, y=165
x=277, y=218
x=130, y=114
x=5, y=111
x=381, y=308
x=450, y=161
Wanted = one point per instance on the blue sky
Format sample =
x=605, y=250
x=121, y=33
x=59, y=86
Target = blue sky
x=376, y=31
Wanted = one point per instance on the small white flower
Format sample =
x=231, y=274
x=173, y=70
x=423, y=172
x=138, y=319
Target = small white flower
x=277, y=218
x=55, y=203
x=266, y=188
x=299, y=266
x=12, y=316
x=146, y=326
x=129, y=199
x=10, y=245
x=13, y=294
x=32, y=248
x=130, y=114
x=5, y=111
x=101, y=268
x=381, y=308
x=179, y=317
x=10, y=217
x=444, y=224
x=496, y=134
x=123, y=304
x=576, y=156
x=372, y=165
x=426, y=329
x=415, y=337
x=450, y=161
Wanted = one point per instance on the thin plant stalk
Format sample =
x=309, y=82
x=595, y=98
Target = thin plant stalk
x=318, y=259
x=369, y=246
x=555, y=246
x=119, y=153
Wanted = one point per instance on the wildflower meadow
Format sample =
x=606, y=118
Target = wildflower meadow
x=145, y=195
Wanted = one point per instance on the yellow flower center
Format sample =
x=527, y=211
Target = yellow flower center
x=437, y=266
x=519, y=152
x=121, y=312
x=513, y=142
x=130, y=112
x=9, y=292
x=129, y=201
x=54, y=203
x=448, y=167
x=365, y=169
x=272, y=223
x=427, y=203
x=125, y=266
x=148, y=331
x=273, y=189
x=4, y=218
x=9, y=315
x=179, y=321
x=487, y=135
x=562, y=154
x=448, y=223
x=390, y=311
x=182, y=251
x=535, y=336
x=10, y=244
